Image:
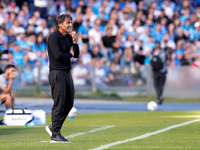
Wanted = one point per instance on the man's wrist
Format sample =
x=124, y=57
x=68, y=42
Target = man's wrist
x=72, y=55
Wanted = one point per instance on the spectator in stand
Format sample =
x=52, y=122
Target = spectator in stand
x=103, y=18
x=107, y=4
x=150, y=25
x=158, y=34
x=108, y=41
x=43, y=58
x=130, y=41
x=139, y=58
x=44, y=75
x=42, y=28
x=127, y=57
x=96, y=54
x=142, y=7
x=167, y=41
x=80, y=74
x=10, y=58
x=112, y=23
x=195, y=34
x=177, y=24
x=91, y=15
x=3, y=39
x=171, y=31
x=41, y=7
x=85, y=55
x=179, y=47
x=163, y=23
x=186, y=15
x=131, y=5
x=99, y=74
x=17, y=28
x=144, y=37
x=137, y=45
x=57, y=8
x=11, y=36
x=141, y=17
x=95, y=36
x=41, y=73
x=23, y=21
x=118, y=46
x=90, y=3
x=35, y=19
x=126, y=20
x=27, y=76
x=139, y=61
x=180, y=35
x=36, y=70
x=5, y=23
x=187, y=27
x=149, y=45
x=134, y=28
x=31, y=39
x=178, y=59
x=39, y=46
x=116, y=76
x=83, y=31
x=12, y=7
x=25, y=9
x=27, y=61
x=82, y=4
x=17, y=54
x=77, y=22
x=198, y=11
x=21, y=40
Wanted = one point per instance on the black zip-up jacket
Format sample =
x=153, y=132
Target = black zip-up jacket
x=58, y=47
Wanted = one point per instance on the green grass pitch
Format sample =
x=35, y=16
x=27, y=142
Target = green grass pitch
x=87, y=132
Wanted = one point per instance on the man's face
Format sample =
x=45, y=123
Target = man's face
x=10, y=71
x=66, y=26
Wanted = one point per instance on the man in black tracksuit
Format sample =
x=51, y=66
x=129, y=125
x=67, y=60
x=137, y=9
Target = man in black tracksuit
x=159, y=75
x=62, y=46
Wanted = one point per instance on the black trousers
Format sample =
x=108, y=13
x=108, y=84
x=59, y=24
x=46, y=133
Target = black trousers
x=159, y=82
x=62, y=90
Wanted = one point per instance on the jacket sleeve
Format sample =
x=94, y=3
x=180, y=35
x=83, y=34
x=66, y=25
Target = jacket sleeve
x=76, y=50
x=55, y=49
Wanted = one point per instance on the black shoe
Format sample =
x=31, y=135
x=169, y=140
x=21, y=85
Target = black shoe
x=160, y=101
x=59, y=139
x=49, y=130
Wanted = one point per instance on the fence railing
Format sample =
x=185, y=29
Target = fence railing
x=182, y=82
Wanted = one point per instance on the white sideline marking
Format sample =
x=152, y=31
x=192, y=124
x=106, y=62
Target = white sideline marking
x=94, y=130
x=145, y=135
x=179, y=147
x=82, y=133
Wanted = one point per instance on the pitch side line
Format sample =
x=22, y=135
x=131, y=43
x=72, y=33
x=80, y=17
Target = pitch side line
x=94, y=130
x=145, y=135
x=82, y=133
x=154, y=147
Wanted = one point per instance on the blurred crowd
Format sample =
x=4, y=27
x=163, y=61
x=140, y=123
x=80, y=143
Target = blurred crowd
x=112, y=34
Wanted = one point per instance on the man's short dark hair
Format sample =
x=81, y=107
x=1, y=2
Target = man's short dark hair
x=8, y=67
x=61, y=19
